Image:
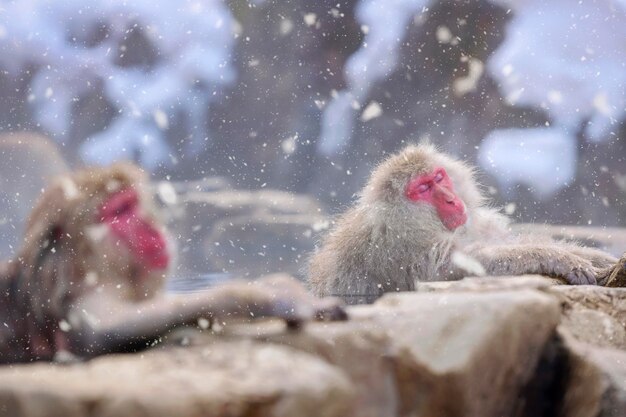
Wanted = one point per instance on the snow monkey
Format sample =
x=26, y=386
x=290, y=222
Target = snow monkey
x=88, y=279
x=422, y=216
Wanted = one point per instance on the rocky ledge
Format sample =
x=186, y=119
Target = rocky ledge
x=477, y=347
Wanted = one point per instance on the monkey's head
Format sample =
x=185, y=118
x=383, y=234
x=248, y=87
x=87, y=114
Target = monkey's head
x=101, y=224
x=428, y=183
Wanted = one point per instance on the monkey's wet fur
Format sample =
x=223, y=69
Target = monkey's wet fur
x=422, y=216
x=88, y=278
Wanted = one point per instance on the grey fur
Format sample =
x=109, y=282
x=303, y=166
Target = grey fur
x=388, y=243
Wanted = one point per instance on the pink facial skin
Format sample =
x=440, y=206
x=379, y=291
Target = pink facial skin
x=437, y=189
x=146, y=243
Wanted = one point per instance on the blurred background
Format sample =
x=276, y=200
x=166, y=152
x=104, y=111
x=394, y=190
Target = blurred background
x=258, y=120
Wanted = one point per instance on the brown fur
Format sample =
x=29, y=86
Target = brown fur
x=387, y=243
x=74, y=287
x=59, y=251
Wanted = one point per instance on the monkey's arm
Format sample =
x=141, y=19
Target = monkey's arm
x=597, y=257
x=130, y=327
x=517, y=259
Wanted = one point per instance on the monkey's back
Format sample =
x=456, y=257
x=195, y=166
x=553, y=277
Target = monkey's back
x=335, y=267
x=14, y=328
x=357, y=260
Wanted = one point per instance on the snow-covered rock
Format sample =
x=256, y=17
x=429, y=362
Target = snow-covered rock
x=153, y=63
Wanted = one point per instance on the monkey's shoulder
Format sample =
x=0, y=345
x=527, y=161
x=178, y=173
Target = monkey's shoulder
x=486, y=224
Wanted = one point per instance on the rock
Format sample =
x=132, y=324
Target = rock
x=231, y=203
x=595, y=315
x=484, y=284
x=245, y=232
x=597, y=382
x=477, y=345
x=515, y=346
x=220, y=379
x=444, y=354
x=592, y=365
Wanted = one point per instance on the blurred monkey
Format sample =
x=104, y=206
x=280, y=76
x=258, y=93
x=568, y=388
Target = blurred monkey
x=89, y=275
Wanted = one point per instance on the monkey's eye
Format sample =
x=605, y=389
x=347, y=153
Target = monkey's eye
x=124, y=208
x=120, y=204
x=422, y=188
x=439, y=176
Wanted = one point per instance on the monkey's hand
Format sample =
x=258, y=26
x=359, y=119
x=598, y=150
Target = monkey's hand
x=581, y=275
x=536, y=259
x=573, y=269
x=289, y=300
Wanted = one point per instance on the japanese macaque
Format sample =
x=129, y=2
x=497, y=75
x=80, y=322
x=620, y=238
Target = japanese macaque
x=422, y=217
x=88, y=279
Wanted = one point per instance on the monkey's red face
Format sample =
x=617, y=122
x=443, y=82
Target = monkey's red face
x=436, y=188
x=121, y=212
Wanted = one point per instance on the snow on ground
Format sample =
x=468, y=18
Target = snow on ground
x=77, y=47
x=539, y=158
x=569, y=59
x=566, y=58
x=384, y=23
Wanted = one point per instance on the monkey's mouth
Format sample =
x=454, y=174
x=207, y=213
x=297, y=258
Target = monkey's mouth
x=157, y=259
x=153, y=252
x=150, y=245
x=455, y=221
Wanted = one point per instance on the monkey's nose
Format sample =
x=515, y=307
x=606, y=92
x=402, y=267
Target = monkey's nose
x=448, y=196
